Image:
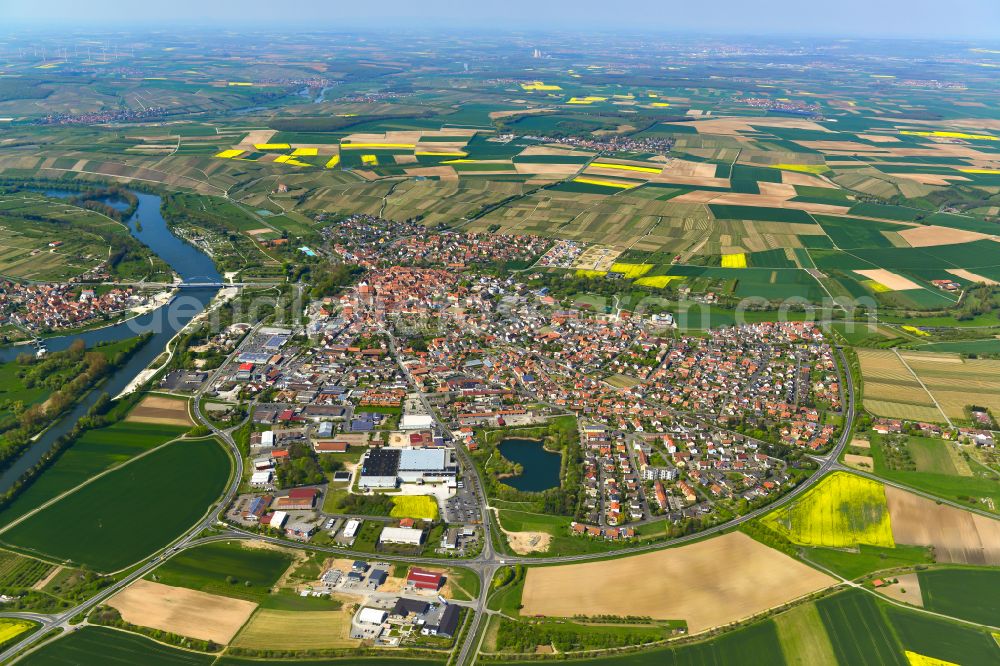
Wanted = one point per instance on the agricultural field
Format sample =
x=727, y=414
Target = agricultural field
x=850, y=627
x=969, y=594
x=419, y=507
x=181, y=611
x=937, y=466
x=724, y=564
x=109, y=524
x=231, y=569
x=12, y=629
x=957, y=536
x=842, y=510
x=92, y=453
x=100, y=646
x=161, y=410
x=297, y=630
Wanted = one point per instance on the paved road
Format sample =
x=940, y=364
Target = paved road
x=485, y=564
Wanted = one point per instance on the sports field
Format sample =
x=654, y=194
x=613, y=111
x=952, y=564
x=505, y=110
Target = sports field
x=750, y=576
x=841, y=510
x=130, y=512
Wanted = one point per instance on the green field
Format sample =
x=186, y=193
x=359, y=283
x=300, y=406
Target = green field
x=969, y=594
x=226, y=568
x=941, y=639
x=867, y=559
x=131, y=512
x=858, y=630
x=731, y=649
x=92, y=453
x=948, y=485
x=100, y=646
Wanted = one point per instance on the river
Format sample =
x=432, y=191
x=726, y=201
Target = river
x=190, y=263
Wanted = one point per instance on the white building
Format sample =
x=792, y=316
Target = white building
x=404, y=535
x=372, y=616
x=416, y=422
x=279, y=519
x=430, y=465
x=351, y=529
x=261, y=479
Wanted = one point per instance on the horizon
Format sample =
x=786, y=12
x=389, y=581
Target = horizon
x=854, y=19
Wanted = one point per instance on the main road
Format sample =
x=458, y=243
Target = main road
x=484, y=564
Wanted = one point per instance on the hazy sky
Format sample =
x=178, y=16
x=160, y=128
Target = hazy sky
x=952, y=19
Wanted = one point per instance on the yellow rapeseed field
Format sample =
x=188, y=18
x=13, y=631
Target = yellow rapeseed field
x=538, y=85
x=803, y=168
x=953, y=135
x=288, y=159
x=843, y=510
x=605, y=183
x=658, y=281
x=923, y=660
x=625, y=167
x=736, y=260
x=229, y=154
x=271, y=146
x=914, y=330
x=369, y=160
x=334, y=161
x=587, y=273
x=11, y=628
x=877, y=287
x=420, y=507
x=305, y=152
x=631, y=271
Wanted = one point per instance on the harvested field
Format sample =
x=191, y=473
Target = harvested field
x=957, y=536
x=297, y=630
x=906, y=590
x=970, y=276
x=158, y=409
x=859, y=462
x=726, y=578
x=736, y=126
x=182, y=611
x=931, y=236
x=797, y=178
x=891, y=280
x=861, y=443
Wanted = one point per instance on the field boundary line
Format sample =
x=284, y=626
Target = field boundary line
x=923, y=386
x=48, y=503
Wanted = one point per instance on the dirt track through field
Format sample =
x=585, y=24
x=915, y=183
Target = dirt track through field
x=179, y=610
x=709, y=584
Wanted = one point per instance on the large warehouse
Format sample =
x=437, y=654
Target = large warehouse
x=385, y=467
x=378, y=468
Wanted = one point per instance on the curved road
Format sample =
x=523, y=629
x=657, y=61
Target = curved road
x=485, y=564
